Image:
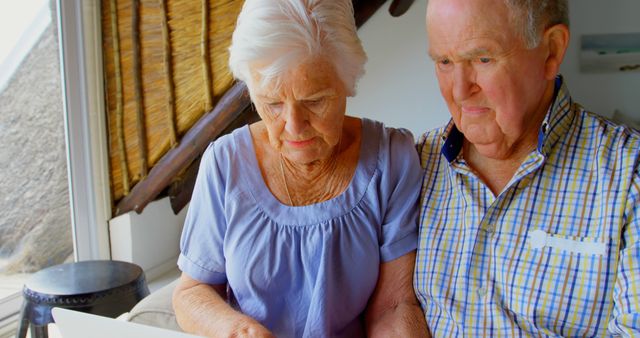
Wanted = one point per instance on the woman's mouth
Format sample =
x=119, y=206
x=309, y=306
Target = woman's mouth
x=299, y=143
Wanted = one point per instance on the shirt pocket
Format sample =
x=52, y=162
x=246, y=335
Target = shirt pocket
x=565, y=283
x=539, y=239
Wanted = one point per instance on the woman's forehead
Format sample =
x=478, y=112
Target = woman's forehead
x=306, y=79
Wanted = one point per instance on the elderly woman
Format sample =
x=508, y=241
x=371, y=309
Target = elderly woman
x=302, y=224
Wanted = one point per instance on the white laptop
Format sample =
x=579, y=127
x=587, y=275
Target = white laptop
x=74, y=324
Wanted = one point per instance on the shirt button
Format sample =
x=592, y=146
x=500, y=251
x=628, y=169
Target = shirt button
x=482, y=291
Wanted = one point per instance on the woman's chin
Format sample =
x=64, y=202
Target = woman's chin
x=305, y=156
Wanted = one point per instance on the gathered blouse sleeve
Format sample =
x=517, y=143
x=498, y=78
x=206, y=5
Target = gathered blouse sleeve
x=401, y=183
x=201, y=246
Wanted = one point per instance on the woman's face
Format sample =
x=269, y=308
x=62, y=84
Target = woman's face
x=304, y=115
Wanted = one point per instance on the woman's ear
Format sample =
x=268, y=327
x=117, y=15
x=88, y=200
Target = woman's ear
x=556, y=39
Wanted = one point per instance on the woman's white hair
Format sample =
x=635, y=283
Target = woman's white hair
x=274, y=36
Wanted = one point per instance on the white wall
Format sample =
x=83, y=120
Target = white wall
x=603, y=92
x=150, y=239
x=400, y=87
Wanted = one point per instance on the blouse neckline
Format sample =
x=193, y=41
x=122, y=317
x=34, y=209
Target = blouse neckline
x=317, y=212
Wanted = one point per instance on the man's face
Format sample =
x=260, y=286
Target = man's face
x=493, y=84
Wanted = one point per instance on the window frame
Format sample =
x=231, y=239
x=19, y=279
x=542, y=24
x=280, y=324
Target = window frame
x=80, y=42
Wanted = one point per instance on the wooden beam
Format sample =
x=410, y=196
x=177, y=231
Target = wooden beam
x=181, y=189
x=399, y=7
x=229, y=107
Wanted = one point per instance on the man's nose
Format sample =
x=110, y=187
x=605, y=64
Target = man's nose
x=296, y=119
x=464, y=82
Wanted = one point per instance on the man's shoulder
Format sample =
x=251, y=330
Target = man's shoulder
x=432, y=141
x=430, y=144
x=591, y=141
x=606, y=133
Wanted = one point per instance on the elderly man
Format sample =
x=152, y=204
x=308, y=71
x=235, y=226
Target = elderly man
x=530, y=204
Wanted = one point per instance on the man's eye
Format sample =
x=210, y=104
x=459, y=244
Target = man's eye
x=444, y=64
x=484, y=60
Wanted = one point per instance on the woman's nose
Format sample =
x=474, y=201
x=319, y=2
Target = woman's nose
x=295, y=119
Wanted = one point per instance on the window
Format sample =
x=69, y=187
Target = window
x=35, y=227
x=73, y=67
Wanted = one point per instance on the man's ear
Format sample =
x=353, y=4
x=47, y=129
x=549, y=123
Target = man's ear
x=556, y=39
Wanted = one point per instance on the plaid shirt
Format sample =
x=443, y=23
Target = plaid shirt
x=556, y=253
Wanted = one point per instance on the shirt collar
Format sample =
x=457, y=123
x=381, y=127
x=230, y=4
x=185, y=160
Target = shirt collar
x=558, y=119
x=554, y=125
x=453, y=140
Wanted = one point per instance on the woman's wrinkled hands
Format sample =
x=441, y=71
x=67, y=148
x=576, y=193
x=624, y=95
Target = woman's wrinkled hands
x=249, y=328
x=201, y=309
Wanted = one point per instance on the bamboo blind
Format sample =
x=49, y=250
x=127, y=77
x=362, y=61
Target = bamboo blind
x=165, y=66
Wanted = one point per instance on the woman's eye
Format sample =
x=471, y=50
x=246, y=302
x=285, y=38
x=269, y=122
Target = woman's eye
x=275, y=107
x=313, y=102
x=316, y=105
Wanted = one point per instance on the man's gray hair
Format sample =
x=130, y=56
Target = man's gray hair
x=534, y=16
x=274, y=36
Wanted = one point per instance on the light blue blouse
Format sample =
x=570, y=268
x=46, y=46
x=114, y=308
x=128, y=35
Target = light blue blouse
x=305, y=271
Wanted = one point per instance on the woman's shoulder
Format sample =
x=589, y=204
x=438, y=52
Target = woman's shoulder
x=226, y=147
x=389, y=139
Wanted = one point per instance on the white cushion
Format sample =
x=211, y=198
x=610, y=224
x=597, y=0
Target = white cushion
x=156, y=309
